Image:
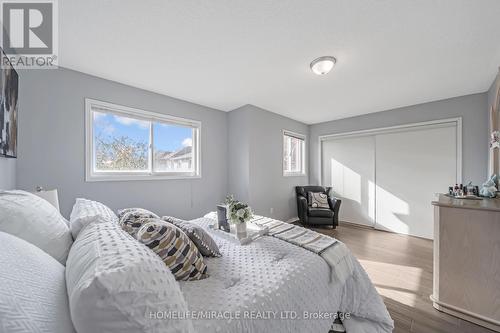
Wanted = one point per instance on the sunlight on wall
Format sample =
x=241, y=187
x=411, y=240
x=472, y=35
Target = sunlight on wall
x=345, y=181
x=391, y=211
x=365, y=201
x=371, y=200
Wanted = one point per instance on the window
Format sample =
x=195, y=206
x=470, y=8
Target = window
x=131, y=144
x=294, y=154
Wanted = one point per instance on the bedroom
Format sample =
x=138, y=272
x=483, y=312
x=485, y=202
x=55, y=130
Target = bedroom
x=173, y=106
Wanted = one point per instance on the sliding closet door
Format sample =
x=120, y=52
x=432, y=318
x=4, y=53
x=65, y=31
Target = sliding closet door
x=412, y=166
x=348, y=166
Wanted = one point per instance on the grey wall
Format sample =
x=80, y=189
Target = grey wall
x=238, y=137
x=51, y=145
x=257, y=137
x=7, y=173
x=472, y=109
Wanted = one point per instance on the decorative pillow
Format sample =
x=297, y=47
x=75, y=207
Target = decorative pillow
x=86, y=211
x=33, y=294
x=134, y=218
x=122, y=212
x=35, y=220
x=116, y=284
x=174, y=248
x=203, y=241
x=318, y=200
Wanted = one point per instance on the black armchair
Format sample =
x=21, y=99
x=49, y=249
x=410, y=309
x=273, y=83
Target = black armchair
x=311, y=215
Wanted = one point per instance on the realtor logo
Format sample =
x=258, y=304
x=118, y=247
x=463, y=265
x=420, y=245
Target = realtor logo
x=29, y=35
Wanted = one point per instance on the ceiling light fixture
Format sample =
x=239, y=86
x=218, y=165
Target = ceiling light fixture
x=323, y=65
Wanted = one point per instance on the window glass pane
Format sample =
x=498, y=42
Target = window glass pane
x=120, y=143
x=293, y=154
x=173, y=148
x=286, y=153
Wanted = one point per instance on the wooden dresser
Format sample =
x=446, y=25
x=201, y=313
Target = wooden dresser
x=467, y=259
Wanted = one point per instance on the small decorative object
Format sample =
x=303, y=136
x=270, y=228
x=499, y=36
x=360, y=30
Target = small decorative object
x=456, y=191
x=239, y=214
x=495, y=139
x=489, y=189
x=222, y=222
x=471, y=190
x=459, y=191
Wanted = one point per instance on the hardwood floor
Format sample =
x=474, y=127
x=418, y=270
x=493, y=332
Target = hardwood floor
x=400, y=267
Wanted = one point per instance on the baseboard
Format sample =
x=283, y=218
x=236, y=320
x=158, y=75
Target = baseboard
x=357, y=225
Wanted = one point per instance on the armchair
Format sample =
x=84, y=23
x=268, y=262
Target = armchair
x=313, y=216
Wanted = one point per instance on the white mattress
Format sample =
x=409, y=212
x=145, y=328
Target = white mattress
x=270, y=277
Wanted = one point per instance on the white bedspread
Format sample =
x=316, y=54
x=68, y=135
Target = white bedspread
x=259, y=287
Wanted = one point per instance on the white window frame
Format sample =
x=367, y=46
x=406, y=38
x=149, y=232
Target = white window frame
x=303, y=157
x=92, y=175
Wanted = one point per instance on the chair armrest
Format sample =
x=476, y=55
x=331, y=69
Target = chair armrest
x=334, y=204
x=302, y=208
x=303, y=202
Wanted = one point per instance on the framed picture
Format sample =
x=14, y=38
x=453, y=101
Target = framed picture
x=223, y=224
x=9, y=88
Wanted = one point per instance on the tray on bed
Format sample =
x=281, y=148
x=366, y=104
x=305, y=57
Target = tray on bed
x=253, y=232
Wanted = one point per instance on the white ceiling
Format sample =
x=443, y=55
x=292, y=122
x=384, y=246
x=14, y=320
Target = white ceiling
x=227, y=53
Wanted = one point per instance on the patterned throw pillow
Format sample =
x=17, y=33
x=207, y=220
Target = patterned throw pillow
x=133, y=219
x=318, y=200
x=174, y=248
x=203, y=241
x=122, y=212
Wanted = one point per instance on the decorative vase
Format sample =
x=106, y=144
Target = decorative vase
x=241, y=230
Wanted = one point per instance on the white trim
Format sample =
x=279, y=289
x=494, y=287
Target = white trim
x=299, y=136
x=398, y=128
x=138, y=113
x=95, y=176
x=294, y=134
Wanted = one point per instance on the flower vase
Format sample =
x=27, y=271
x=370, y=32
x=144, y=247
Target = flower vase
x=241, y=230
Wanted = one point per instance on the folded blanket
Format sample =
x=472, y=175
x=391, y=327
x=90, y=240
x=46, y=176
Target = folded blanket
x=331, y=250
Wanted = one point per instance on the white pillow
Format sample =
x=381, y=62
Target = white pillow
x=116, y=284
x=33, y=294
x=85, y=211
x=35, y=220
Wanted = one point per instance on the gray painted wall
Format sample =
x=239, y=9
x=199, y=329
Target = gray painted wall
x=51, y=145
x=259, y=137
x=472, y=109
x=7, y=173
x=238, y=137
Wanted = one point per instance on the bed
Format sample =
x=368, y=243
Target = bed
x=269, y=281
x=92, y=276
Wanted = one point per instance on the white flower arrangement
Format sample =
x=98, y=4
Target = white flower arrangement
x=238, y=212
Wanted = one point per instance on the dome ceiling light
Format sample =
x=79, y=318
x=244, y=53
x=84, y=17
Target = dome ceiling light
x=323, y=65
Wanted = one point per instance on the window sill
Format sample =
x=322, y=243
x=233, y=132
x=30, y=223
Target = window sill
x=131, y=177
x=294, y=174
